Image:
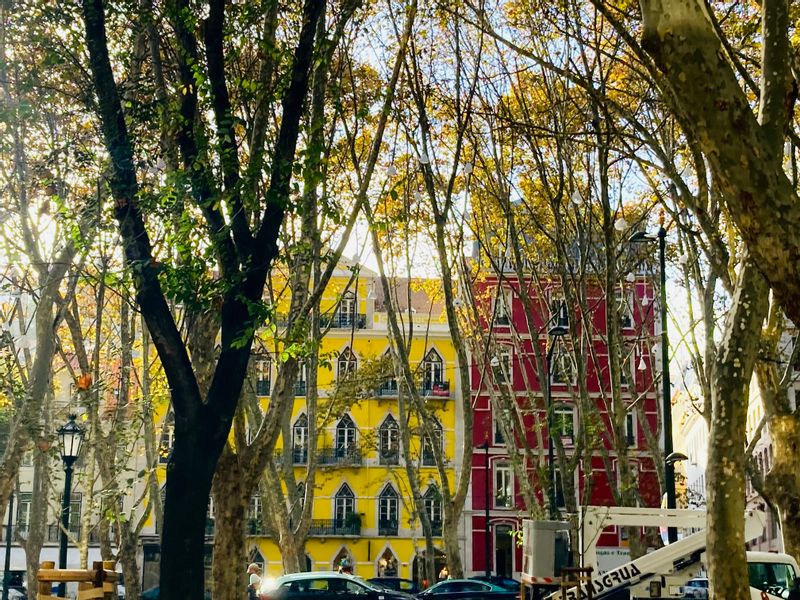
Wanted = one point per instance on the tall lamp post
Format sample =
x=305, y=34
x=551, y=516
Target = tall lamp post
x=553, y=334
x=70, y=438
x=487, y=531
x=669, y=465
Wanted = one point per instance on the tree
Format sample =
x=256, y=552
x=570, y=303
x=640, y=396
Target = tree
x=241, y=229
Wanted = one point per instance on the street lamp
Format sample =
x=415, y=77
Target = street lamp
x=669, y=466
x=553, y=334
x=487, y=539
x=70, y=438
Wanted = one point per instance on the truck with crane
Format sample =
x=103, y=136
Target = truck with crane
x=659, y=574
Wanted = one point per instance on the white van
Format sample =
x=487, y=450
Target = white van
x=771, y=573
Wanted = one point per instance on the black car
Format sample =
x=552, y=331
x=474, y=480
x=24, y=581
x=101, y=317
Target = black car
x=466, y=589
x=329, y=585
x=512, y=585
x=154, y=593
x=396, y=583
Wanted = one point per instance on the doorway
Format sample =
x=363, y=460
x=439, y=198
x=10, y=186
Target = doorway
x=504, y=550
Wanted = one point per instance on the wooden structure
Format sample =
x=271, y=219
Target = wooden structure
x=95, y=583
x=575, y=577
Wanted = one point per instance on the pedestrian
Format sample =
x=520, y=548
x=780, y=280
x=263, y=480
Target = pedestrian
x=254, y=583
x=444, y=573
x=345, y=567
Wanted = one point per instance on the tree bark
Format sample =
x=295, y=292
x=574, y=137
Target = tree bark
x=782, y=483
x=727, y=563
x=231, y=500
x=712, y=107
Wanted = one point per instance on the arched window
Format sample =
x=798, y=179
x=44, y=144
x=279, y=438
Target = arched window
x=347, y=363
x=388, y=511
x=389, y=442
x=345, y=435
x=167, y=438
x=389, y=384
x=432, y=499
x=300, y=440
x=432, y=445
x=433, y=370
x=344, y=510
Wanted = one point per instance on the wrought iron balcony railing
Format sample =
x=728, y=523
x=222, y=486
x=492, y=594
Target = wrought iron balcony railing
x=340, y=456
x=334, y=527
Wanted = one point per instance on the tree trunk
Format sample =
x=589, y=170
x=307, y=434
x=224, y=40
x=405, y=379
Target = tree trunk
x=782, y=483
x=727, y=563
x=696, y=79
x=189, y=474
x=231, y=500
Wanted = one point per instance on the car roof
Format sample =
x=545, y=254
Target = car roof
x=315, y=575
x=471, y=581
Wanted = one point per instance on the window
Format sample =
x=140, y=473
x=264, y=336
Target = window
x=433, y=369
x=502, y=364
x=564, y=424
x=263, y=376
x=24, y=513
x=432, y=501
x=389, y=384
x=255, y=516
x=563, y=371
x=431, y=446
x=624, y=306
x=388, y=511
x=301, y=494
x=347, y=310
x=167, y=438
x=74, y=513
x=389, y=441
x=347, y=363
x=503, y=485
x=300, y=382
x=766, y=575
x=345, y=435
x=300, y=440
x=497, y=437
x=502, y=307
x=630, y=429
x=344, y=505
x=559, y=315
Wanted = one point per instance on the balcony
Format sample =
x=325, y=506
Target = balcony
x=334, y=527
x=345, y=457
x=299, y=456
x=53, y=533
x=263, y=387
x=388, y=389
x=344, y=320
x=436, y=529
x=299, y=388
x=435, y=389
x=257, y=527
x=389, y=457
x=387, y=527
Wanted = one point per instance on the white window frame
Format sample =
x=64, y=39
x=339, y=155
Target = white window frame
x=557, y=315
x=503, y=485
x=624, y=306
x=564, y=410
x=562, y=354
x=504, y=371
x=343, y=501
x=502, y=306
x=631, y=437
x=346, y=434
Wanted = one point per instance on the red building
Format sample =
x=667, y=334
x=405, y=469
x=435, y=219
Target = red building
x=581, y=418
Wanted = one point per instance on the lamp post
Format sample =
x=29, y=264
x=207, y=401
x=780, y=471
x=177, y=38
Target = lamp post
x=486, y=533
x=7, y=564
x=669, y=466
x=553, y=334
x=70, y=438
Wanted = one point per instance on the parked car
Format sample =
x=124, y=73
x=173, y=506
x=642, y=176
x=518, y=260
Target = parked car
x=512, y=585
x=396, y=583
x=696, y=588
x=466, y=589
x=328, y=585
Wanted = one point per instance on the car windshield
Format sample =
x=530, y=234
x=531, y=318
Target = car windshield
x=773, y=578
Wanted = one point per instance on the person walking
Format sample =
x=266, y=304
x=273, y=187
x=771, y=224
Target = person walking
x=254, y=583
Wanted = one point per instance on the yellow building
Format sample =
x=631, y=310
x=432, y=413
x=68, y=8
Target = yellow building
x=363, y=512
